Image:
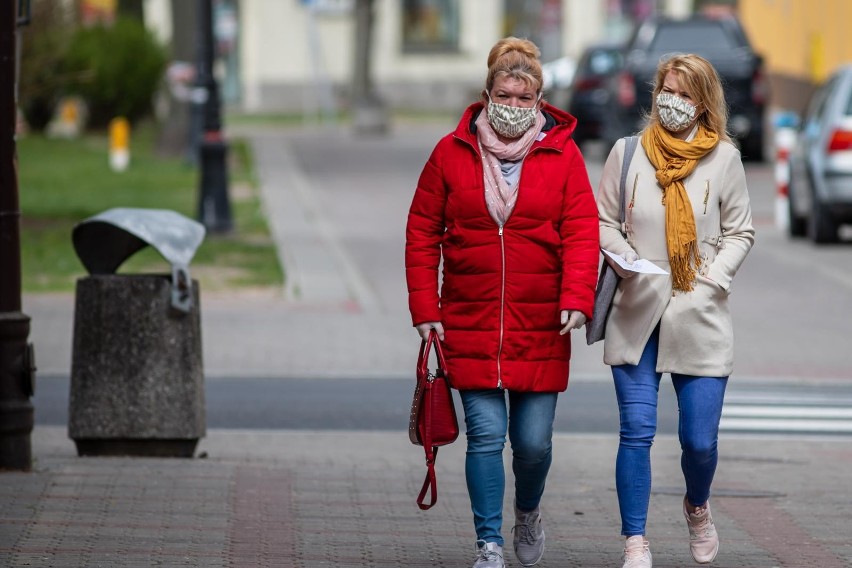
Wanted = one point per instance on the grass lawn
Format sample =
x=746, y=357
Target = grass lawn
x=63, y=182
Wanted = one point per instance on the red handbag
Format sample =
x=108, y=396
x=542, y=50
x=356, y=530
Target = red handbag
x=433, y=420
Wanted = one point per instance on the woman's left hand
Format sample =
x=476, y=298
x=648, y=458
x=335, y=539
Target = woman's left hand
x=571, y=319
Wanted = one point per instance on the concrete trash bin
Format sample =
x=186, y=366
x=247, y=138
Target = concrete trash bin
x=137, y=380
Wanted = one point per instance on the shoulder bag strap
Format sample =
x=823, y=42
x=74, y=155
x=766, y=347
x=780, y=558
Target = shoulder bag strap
x=630, y=143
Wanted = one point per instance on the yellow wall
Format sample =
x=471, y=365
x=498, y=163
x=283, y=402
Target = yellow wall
x=802, y=39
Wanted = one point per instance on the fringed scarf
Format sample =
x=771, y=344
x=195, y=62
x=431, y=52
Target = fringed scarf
x=499, y=196
x=674, y=160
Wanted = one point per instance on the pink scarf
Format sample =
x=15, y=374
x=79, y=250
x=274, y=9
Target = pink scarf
x=499, y=197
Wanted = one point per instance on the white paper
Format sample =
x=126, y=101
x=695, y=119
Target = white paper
x=641, y=266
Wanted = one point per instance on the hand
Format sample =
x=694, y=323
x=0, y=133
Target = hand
x=423, y=329
x=630, y=257
x=571, y=319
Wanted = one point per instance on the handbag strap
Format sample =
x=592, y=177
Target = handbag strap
x=430, y=484
x=630, y=143
x=423, y=357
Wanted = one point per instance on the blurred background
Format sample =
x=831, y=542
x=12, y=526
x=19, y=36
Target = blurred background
x=299, y=56
x=295, y=130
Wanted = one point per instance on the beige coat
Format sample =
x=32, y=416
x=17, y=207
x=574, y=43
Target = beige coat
x=696, y=332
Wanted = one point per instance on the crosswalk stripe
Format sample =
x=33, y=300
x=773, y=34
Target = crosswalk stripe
x=806, y=412
x=771, y=399
x=755, y=411
x=785, y=425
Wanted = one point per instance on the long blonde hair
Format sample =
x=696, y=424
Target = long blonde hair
x=517, y=58
x=699, y=77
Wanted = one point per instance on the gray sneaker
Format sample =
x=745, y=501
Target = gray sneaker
x=488, y=555
x=529, y=537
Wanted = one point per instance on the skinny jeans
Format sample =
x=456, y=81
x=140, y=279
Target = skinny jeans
x=699, y=402
x=529, y=422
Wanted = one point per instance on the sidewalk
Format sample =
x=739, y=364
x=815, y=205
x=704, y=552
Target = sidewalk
x=346, y=499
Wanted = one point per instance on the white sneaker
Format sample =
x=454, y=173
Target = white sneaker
x=703, y=539
x=636, y=553
x=488, y=555
x=529, y=537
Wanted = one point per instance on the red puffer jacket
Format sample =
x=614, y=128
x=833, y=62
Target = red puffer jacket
x=502, y=290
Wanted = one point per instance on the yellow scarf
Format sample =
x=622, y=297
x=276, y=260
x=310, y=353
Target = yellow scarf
x=674, y=160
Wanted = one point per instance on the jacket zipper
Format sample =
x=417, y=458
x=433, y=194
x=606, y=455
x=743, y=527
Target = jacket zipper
x=502, y=308
x=502, y=275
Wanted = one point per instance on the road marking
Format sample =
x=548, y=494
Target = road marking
x=785, y=425
x=824, y=413
x=756, y=412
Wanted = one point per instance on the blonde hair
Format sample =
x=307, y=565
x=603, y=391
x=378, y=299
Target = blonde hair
x=699, y=77
x=517, y=58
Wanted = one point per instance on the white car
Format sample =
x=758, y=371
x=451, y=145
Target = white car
x=820, y=191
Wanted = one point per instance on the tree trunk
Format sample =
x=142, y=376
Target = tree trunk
x=369, y=113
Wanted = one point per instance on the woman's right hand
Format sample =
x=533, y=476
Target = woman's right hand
x=629, y=257
x=424, y=328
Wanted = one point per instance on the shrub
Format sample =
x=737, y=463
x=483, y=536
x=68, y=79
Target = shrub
x=44, y=44
x=116, y=69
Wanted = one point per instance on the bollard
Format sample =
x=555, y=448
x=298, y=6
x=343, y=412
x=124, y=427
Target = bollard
x=785, y=139
x=119, y=144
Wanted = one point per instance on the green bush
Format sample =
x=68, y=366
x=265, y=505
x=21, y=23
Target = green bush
x=44, y=44
x=116, y=69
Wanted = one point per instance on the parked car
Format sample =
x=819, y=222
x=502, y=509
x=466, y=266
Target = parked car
x=719, y=39
x=587, y=98
x=820, y=188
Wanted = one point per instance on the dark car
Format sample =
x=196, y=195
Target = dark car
x=722, y=41
x=820, y=189
x=587, y=97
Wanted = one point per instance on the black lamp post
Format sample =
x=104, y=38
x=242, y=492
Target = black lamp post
x=17, y=364
x=214, y=207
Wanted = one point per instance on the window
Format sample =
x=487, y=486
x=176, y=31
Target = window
x=430, y=26
x=698, y=37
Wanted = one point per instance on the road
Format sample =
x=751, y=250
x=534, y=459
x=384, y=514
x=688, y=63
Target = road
x=382, y=404
x=791, y=302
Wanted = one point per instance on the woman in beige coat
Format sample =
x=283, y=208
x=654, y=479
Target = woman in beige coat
x=688, y=212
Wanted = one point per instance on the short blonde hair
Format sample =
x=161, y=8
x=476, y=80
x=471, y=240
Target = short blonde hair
x=699, y=77
x=517, y=58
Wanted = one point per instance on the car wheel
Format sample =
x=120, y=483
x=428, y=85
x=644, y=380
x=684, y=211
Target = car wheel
x=797, y=225
x=822, y=227
x=752, y=148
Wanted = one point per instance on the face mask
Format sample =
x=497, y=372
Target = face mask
x=510, y=121
x=675, y=113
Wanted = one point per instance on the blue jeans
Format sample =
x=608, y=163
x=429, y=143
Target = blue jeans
x=529, y=421
x=699, y=402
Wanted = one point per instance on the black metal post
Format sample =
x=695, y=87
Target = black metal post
x=16, y=355
x=214, y=206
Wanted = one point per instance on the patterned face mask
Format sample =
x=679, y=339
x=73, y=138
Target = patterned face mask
x=676, y=114
x=510, y=121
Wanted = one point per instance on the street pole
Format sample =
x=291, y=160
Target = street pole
x=17, y=370
x=214, y=207
x=369, y=112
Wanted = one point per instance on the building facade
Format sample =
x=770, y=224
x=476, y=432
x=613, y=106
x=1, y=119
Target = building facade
x=803, y=41
x=297, y=56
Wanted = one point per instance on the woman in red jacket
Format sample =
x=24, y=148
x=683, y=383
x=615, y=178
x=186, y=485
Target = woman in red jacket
x=505, y=201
